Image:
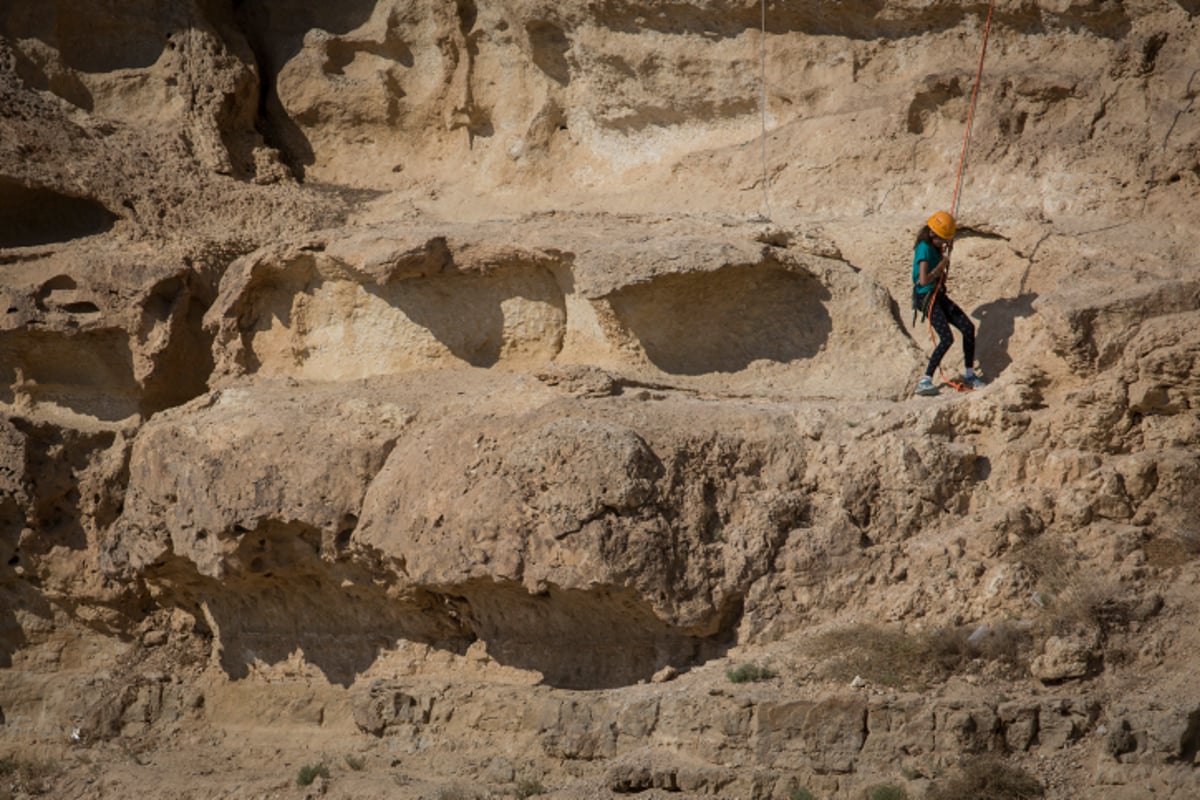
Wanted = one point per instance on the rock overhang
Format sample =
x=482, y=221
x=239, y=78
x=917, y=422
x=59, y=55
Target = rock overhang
x=664, y=299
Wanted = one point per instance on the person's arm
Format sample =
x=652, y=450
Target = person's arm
x=927, y=275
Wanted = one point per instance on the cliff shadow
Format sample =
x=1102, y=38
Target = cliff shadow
x=88, y=372
x=15, y=592
x=601, y=638
x=483, y=319
x=997, y=321
x=32, y=216
x=335, y=328
x=723, y=321
x=276, y=33
x=11, y=597
x=272, y=610
x=55, y=463
x=281, y=600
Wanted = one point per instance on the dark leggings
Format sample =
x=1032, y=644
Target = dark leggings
x=945, y=312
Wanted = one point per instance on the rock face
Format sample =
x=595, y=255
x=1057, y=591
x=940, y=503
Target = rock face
x=511, y=398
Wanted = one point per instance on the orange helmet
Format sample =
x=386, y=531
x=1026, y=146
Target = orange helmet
x=942, y=224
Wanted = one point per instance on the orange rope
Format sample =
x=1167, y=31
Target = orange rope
x=962, y=164
x=962, y=160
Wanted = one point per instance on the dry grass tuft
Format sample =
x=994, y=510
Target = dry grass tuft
x=1071, y=597
x=529, y=787
x=987, y=778
x=26, y=777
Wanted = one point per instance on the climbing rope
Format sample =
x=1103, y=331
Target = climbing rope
x=962, y=164
x=962, y=159
x=763, y=107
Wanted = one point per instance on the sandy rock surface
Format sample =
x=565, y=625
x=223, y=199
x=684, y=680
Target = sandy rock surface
x=514, y=398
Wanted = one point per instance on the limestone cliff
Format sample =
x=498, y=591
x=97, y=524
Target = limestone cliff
x=439, y=400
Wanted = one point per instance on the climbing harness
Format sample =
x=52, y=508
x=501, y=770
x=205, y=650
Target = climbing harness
x=962, y=163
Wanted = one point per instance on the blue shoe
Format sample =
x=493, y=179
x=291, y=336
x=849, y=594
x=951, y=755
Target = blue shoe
x=973, y=382
x=925, y=386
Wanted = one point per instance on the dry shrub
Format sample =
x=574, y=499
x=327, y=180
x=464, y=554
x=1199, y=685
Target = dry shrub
x=1087, y=604
x=456, y=793
x=1165, y=552
x=1051, y=565
x=750, y=673
x=891, y=657
x=26, y=777
x=880, y=655
x=886, y=791
x=1071, y=597
x=987, y=778
x=530, y=787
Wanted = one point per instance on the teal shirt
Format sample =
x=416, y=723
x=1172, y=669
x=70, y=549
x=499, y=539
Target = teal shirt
x=925, y=252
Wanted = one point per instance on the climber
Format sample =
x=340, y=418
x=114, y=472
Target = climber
x=931, y=262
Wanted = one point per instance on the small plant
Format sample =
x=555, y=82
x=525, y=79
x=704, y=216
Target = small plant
x=750, y=673
x=310, y=772
x=887, y=791
x=800, y=793
x=356, y=763
x=528, y=787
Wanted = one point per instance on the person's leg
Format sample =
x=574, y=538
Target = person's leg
x=956, y=317
x=939, y=320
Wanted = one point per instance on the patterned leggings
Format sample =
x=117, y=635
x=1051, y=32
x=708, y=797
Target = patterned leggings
x=945, y=312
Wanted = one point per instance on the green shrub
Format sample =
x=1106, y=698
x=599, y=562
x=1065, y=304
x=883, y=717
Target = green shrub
x=888, y=791
x=356, y=763
x=800, y=793
x=309, y=773
x=750, y=673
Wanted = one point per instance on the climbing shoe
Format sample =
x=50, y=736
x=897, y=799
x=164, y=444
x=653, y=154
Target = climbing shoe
x=925, y=386
x=973, y=382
